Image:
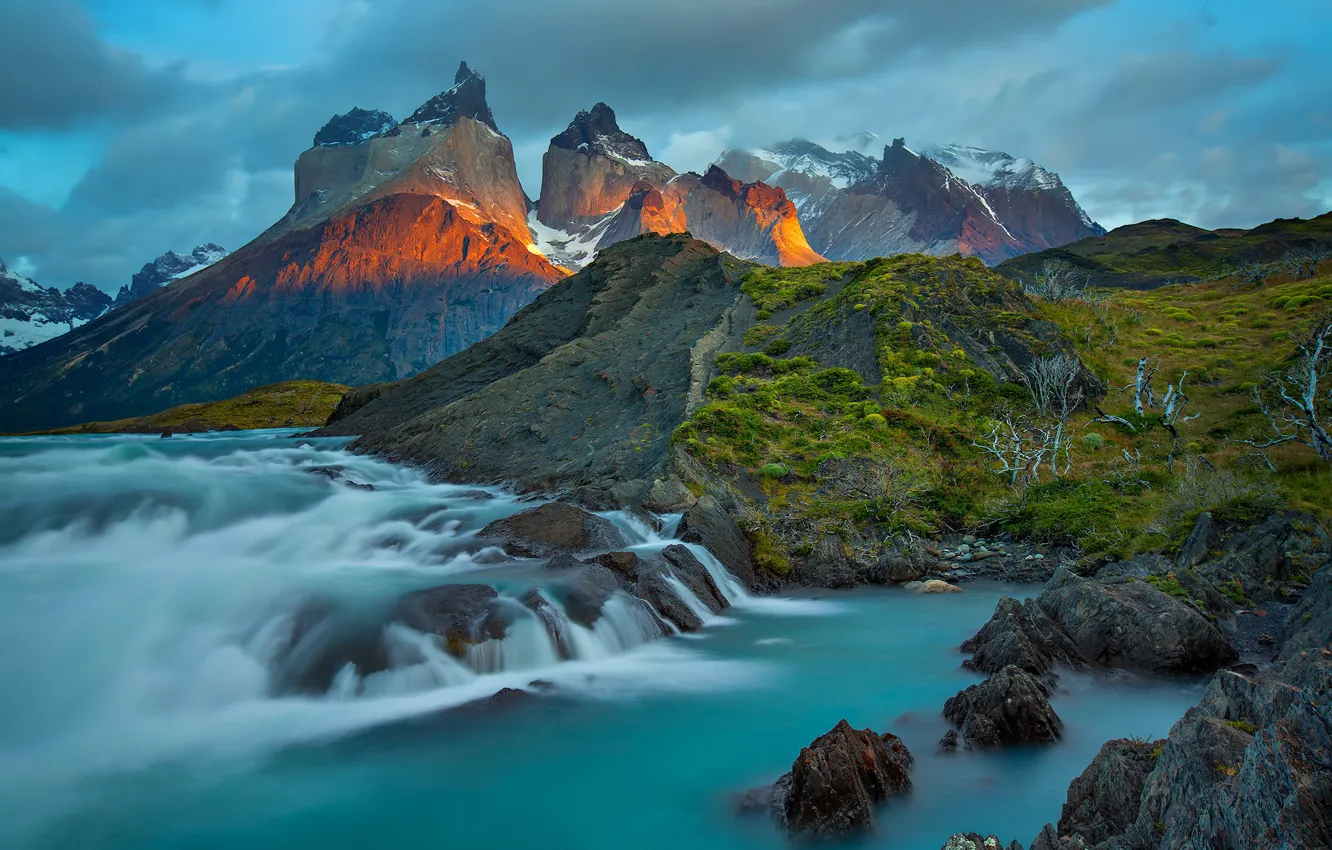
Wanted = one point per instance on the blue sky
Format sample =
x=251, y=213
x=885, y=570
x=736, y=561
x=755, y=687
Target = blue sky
x=141, y=126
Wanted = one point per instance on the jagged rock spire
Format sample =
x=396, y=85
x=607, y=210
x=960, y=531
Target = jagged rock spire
x=467, y=99
x=600, y=132
x=352, y=128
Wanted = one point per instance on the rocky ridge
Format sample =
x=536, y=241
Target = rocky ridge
x=169, y=267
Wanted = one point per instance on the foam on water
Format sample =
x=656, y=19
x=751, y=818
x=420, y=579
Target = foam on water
x=152, y=591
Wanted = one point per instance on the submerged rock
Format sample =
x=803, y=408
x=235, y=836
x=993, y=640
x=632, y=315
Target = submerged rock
x=838, y=780
x=655, y=589
x=1010, y=707
x=551, y=528
x=460, y=614
x=691, y=572
x=708, y=523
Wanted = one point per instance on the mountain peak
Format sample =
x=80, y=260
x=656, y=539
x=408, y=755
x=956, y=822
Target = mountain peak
x=720, y=181
x=467, y=99
x=353, y=128
x=896, y=157
x=595, y=130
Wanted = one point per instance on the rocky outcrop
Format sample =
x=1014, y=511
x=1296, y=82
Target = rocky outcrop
x=1249, y=766
x=953, y=199
x=466, y=99
x=550, y=528
x=1113, y=622
x=582, y=388
x=398, y=252
x=600, y=186
x=837, y=783
x=1010, y=707
x=354, y=127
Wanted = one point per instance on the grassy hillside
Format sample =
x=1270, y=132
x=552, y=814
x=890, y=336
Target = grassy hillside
x=1156, y=253
x=291, y=404
x=820, y=438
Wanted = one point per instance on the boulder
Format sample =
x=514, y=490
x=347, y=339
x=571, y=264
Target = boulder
x=655, y=589
x=1020, y=634
x=550, y=528
x=1131, y=624
x=934, y=585
x=1010, y=707
x=623, y=564
x=838, y=780
x=460, y=614
x=585, y=592
x=708, y=523
x=695, y=576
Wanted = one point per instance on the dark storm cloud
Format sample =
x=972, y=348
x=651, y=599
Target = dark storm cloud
x=57, y=71
x=1152, y=124
x=549, y=59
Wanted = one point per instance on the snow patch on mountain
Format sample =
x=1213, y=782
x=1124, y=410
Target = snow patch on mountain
x=569, y=250
x=169, y=267
x=982, y=167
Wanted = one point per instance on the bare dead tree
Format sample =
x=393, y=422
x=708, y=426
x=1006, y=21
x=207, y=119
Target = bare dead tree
x=1142, y=385
x=1253, y=272
x=1129, y=473
x=1173, y=404
x=888, y=489
x=1056, y=389
x=1302, y=406
x=1019, y=449
x=1302, y=263
x=1060, y=280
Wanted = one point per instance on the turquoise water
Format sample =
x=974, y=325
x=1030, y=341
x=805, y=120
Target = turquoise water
x=136, y=574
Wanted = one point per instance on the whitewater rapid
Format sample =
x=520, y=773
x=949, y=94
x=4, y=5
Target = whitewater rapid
x=146, y=586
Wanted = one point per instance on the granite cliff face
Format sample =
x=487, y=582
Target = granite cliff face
x=600, y=186
x=950, y=200
x=400, y=249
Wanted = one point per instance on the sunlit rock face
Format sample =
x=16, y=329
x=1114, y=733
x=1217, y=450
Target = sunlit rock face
x=401, y=248
x=600, y=186
x=951, y=199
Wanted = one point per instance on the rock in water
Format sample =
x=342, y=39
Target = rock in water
x=1010, y=707
x=1103, y=801
x=1133, y=625
x=460, y=614
x=976, y=841
x=707, y=522
x=551, y=528
x=839, y=779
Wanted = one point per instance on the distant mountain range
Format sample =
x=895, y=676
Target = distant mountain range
x=947, y=200
x=409, y=241
x=30, y=314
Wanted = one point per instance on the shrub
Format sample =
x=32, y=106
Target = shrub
x=1093, y=442
x=875, y=420
x=1247, y=728
x=1169, y=585
x=774, y=470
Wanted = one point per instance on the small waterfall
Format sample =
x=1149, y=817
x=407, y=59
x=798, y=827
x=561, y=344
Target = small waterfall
x=625, y=622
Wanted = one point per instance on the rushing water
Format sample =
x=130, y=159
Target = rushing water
x=145, y=585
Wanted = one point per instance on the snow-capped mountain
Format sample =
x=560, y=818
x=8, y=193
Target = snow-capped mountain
x=599, y=185
x=949, y=199
x=168, y=267
x=30, y=313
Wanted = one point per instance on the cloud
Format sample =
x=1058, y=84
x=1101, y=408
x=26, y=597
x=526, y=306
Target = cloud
x=1141, y=116
x=58, y=71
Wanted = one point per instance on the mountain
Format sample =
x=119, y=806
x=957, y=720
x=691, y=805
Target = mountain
x=1150, y=254
x=166, y=268
x=599, y=185
x=403, y=246
x=854, y=207
x=30, y=314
